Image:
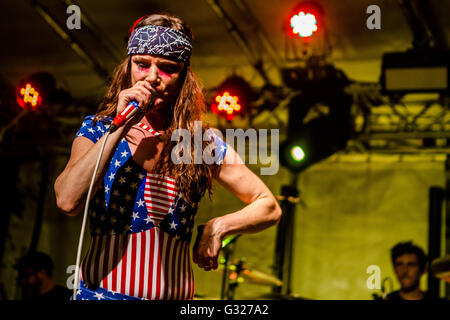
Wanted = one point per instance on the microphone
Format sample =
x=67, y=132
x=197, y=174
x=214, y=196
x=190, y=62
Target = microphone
x=130, y=111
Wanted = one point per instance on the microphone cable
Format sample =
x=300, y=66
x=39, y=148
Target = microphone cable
x=83, y=224
x=131, y=109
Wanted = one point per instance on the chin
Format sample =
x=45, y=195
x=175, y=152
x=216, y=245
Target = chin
x=410, y=286
x=156, y=109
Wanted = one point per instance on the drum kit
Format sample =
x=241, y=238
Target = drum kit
x=238, y=271
x=440, y=267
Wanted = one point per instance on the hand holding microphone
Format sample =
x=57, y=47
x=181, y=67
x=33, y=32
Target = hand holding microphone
x=137, y=98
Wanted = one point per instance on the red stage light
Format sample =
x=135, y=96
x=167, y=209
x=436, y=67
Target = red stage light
x=37, y=91
x=305, y=20
x=227, y=103
x=29, y=97
x=304, y=24
x=232, y=98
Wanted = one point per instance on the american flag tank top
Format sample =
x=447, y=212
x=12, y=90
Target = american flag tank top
x=140, y=229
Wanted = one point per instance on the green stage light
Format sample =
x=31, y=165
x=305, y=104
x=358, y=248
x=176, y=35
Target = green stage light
x=297, y=153
x=312, y=141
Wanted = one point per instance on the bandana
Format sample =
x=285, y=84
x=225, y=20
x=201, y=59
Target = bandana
x=162, y=41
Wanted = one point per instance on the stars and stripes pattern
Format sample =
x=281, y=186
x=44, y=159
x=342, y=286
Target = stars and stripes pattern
x=149, y=129
x=84, y=293
x=148, y=265
x=140, y=228
x=159, y=195
x=122, y=117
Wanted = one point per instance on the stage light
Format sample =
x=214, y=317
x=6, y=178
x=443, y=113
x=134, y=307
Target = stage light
x=233, y=276
x=35, y=91
x=304, y=24
x=312, y=139
x=30, y=96
x=305, y=20
x=228, y=103
x=293, y=153
x=297, y=153
x=233, y=97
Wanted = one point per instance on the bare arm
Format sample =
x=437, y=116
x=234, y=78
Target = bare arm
x=72, y=184
x=261, y=211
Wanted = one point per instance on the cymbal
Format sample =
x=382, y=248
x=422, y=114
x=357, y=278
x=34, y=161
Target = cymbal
x=258, y=277
x=276, y=296
x=252, y=275
x=199, y=296
x=441, y=267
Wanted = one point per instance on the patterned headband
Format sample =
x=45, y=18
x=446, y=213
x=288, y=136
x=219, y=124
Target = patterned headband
x=158, y=40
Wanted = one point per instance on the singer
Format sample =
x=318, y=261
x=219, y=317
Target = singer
x=143, y=206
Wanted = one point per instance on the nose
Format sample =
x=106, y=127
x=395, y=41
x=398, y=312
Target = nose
x=152, y=75
x=403, y=270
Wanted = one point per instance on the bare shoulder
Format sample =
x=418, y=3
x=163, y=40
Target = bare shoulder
x=80, y=146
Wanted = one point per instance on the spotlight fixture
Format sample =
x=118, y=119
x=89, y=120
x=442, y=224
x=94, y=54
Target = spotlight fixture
x=233, y=97
x=312, y=139
x=304, y=20
x=35, y=91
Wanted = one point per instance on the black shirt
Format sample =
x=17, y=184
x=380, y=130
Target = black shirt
x=57, y=293
x=426, y=296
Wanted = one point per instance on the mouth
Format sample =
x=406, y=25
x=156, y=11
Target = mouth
x=154, y=92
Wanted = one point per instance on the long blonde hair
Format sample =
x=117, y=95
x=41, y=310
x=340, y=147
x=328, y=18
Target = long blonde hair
x=192, y=179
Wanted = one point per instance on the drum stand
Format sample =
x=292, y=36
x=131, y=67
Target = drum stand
x=233, y=279
x=227, y=249
x=285, y=237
